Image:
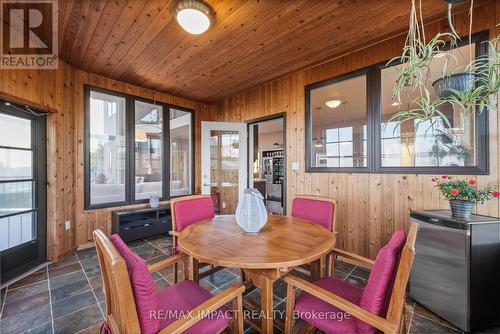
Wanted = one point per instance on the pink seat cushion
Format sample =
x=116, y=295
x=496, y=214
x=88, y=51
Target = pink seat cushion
x=324, y=316
x=376, y=296
x=175, y=301
x=143, y=287
x=317, y=211
x=192, y=211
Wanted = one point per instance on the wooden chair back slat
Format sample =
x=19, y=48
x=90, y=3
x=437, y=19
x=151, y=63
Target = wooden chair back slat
x=121, y=313
x=397, y=303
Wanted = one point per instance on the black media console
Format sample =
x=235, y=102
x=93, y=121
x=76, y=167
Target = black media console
x=133, y=224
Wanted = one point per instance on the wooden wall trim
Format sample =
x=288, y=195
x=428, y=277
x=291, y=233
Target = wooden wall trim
x=18, y=100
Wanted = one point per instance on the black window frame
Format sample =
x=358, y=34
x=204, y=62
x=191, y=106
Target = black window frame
x=368, y=72
x=165, y=151
x=374, y=120
x=31, y=253
x=130, y=148
x=193, y=153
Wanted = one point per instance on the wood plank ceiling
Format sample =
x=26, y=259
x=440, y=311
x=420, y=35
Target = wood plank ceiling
x=251, y=42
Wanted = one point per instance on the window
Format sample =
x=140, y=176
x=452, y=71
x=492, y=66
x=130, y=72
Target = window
x=338, y=115
x=22, y=186
x=127, y=149
x=148, y=146
x=107, y=144
x=16, y=167
x=181, y=152
x=356, y=134
x=426, y=143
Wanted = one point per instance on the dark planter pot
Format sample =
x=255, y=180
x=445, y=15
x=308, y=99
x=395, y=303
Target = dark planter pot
x=461, y=209
x=459, y=81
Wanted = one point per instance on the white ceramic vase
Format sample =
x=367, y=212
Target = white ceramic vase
x=154, y=201
x=251, y=213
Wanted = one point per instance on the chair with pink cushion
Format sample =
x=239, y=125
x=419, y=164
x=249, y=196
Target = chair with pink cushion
x=133, y=305
x=333, y=305
x=320, y=210
x=186, y=211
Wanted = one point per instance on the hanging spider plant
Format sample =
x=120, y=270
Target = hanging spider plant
x=424, y=110
x=416, y=59
x=486, y=71
x=470, y=91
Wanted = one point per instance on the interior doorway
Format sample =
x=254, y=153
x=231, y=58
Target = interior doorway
x=267, y=160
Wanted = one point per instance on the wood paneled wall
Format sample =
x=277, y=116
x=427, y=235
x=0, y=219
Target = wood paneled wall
x=370, y=206
x=53, y=90
x=61, y=92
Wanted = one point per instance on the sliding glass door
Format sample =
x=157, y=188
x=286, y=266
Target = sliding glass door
x=22, y=191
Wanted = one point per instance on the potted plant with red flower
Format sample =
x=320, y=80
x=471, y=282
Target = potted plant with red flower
x=463, y=195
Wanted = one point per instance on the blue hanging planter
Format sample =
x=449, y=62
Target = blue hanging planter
x=461, y=209
x=459, y=81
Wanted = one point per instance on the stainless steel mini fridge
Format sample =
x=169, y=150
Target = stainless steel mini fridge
x=456, y=270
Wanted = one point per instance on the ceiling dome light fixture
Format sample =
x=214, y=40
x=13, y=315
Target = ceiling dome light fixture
x=333, y=103
x=318, y=143
x=193, y=16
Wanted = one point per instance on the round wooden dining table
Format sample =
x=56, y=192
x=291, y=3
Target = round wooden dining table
x=283, y=244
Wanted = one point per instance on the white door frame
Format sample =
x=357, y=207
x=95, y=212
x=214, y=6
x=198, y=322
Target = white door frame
x=206, y=127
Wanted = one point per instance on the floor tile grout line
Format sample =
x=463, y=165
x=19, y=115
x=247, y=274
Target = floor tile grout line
x=164, y=253
x=438, y=323
x=158, y=248
x=158, y=272
x=42, y=325
x=147, y=241
x=3, y=301
x=83, y=330
x=68, y=273
x=411, y=316
x=79, y=293
x=213, y=285
x=88, y=281
x=409, y=323
x=349, y=274
x=208, y=282
x=237, y=276
x=81, y=309
x=26, y=274
x=29, y=284
x=50, y=301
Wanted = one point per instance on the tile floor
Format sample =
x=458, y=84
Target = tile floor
x=66, y=297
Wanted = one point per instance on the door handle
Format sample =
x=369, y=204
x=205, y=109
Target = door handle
x=206, y=185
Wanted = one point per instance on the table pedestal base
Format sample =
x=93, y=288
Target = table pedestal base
x=264, y=279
